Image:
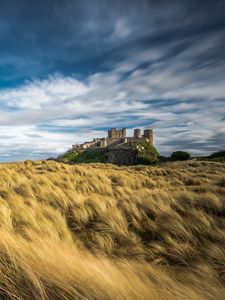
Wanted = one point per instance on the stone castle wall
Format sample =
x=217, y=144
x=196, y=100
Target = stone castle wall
x=136, y=140
x=118, y=136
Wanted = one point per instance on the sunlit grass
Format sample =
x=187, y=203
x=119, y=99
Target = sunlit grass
x=100, y=231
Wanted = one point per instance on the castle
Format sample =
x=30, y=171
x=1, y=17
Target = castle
x=116, y=137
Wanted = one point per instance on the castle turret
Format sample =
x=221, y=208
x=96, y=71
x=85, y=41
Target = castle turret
x=148, y=133
x=124, y=132
x=111, y=133
x=137, y=133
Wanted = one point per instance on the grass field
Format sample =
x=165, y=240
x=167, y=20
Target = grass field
x=106, y=232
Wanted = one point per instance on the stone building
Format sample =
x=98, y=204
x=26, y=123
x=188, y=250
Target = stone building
x=118, y=137
x=114, y=133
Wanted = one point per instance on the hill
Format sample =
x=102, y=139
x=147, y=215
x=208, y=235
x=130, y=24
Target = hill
x=123, y=154
x=218, y=156
x=101, y=231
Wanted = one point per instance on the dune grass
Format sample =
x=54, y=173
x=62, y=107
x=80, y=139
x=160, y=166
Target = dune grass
x=100, y=231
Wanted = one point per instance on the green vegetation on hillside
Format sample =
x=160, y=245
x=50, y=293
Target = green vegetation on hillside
x=71, y=155
x=147, y=154
x=144, y=153
x=218, y=156
x=217, y=159
x=86, y=156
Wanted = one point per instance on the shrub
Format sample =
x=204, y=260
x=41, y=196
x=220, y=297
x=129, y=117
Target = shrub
x=180, y=155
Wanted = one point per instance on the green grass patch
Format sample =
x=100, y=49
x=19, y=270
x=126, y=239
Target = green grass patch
x=71, y=156
x=86, y=156
x=146, y=160
x=215, y=159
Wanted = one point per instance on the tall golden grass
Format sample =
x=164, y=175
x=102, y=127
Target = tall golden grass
x=106, y=232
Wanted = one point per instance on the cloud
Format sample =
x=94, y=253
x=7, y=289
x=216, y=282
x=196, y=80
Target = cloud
x=111, y=63
x=38, y=39
x=46, y=117
x=35, y=94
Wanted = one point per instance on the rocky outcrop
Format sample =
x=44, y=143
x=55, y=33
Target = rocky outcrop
x=122, y=156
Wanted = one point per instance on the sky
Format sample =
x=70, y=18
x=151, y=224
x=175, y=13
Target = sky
x=71, y=69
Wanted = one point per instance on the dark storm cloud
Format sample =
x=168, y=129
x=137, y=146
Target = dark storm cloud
x=39, y=37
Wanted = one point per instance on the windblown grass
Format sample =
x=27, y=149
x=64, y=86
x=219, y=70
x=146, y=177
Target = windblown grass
x=107, y=232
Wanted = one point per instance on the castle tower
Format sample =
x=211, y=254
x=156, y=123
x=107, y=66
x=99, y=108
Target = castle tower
x=124, y=133
x=137, y=133
x=111, y=133
x=116, y=133
x=148, y=133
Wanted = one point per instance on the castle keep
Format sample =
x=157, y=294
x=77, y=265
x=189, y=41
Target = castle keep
x=118, y=137
x=114, y=133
